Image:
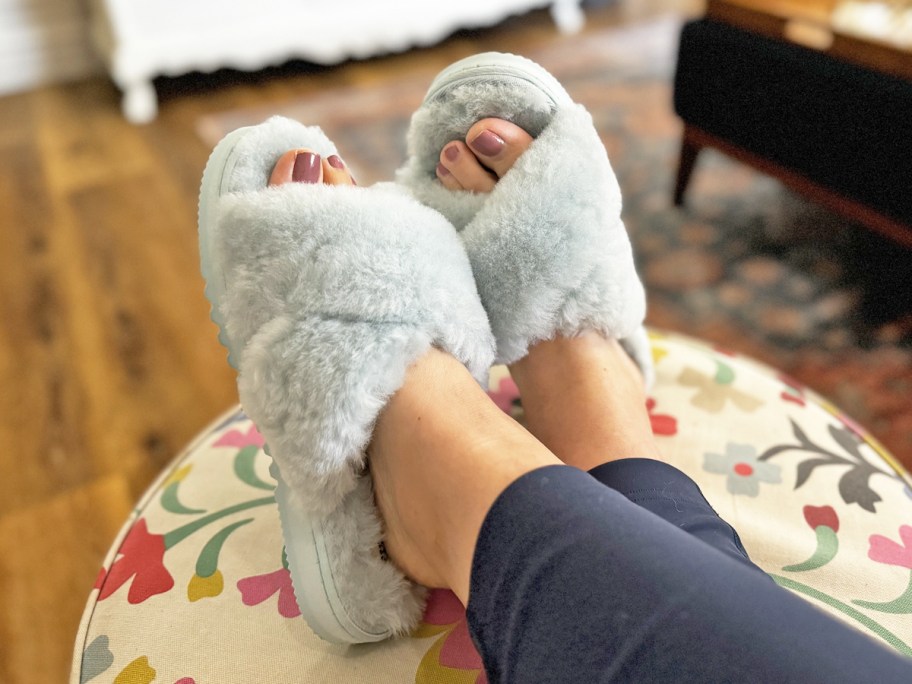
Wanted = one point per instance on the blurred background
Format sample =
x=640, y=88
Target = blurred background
x=108, y=111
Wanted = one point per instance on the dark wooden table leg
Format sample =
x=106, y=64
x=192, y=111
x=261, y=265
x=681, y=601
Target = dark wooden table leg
x=690, y=149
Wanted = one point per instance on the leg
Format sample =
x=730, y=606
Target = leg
x=572, y=582
x=583, y=396
x=690, y=149
x=606, y=591
x=325, y=296
x=584, y=399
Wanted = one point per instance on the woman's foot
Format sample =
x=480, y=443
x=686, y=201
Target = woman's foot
x=441, y=452
x=584, y=399
x=306, y=166
x=489, y=150
x=328, y=299
x=587, y=382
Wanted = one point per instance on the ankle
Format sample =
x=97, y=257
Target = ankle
x=584, y=399
x=442, y=453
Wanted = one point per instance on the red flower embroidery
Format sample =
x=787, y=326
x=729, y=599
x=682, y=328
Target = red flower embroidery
x=662, y=424
x=99, y=579
x=884, y=550
x=142, y=559
x=825, y=516
x=254, y=590
x=724, y=351
x=794, y=390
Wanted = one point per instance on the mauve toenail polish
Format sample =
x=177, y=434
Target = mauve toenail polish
x=306, y=168
x=442, y=170
x=487, y=143
x=335, y=162
x=451, y=153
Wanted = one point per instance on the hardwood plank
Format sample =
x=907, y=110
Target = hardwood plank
x=153, y=370
x=41, y=410
x=52, y=553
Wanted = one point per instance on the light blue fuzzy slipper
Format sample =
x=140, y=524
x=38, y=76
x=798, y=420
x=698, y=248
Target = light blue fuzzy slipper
x=548, y=249
x=324, y=296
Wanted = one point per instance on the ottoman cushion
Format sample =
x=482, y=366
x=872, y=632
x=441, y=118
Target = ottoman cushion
x=195, y=587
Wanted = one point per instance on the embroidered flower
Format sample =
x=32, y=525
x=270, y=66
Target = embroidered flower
x=142, y=560
x=454, y=650
x=205, y=587
x=658, y=353
x=713, y=392
x=138, y=671
x=254, y=590
x=505, y=395
x=884, y=550
x=825, y=523
x=745, y=472
x=821, y=516
x=793, y=392
x=662, y=424
x=236, y=438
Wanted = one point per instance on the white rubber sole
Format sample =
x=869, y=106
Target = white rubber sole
x=305, y=545
x=489, y=66
x=311, y=574
x=218, y=167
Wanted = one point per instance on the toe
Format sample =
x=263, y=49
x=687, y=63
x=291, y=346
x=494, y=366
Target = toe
x=464, y=168
x=447, y=179
x=497, y=143
x=301, y=166
x=335, y=172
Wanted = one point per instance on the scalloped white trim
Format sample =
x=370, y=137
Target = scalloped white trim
x=141, y=39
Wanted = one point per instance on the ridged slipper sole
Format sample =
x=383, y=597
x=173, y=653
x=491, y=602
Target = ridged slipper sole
x=219, y=166
x=305, y=546
x=498, y=66
x=311, y=574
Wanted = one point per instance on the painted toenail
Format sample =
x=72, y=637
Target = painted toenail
x=306, y=168
x=335, y=162
x=487, y=143
x=442, y=170
x=451, y=153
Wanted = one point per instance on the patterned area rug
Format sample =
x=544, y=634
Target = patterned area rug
x=746, y=264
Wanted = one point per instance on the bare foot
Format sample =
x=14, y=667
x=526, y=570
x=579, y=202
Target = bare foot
x=583, y=397
x=441, y=452
x=306, y=166
x=490, y=149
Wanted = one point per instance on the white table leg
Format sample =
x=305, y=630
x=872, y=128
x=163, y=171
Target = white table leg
x=568, y=15
x=140, y=103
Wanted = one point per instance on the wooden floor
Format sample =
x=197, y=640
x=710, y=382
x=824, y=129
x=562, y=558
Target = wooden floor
x=108, y=360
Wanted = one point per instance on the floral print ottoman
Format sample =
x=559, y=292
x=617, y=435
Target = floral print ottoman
x=196, y=587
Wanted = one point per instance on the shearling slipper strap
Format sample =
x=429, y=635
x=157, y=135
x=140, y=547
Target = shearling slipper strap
x=548, y=249
x=333, y=291
x=325, y=295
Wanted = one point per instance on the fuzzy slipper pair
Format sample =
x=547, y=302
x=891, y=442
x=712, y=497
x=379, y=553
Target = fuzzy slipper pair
x=325, y=295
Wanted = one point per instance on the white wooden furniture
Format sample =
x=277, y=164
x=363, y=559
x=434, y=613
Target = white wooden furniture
x=43, y=42
x=142, y=39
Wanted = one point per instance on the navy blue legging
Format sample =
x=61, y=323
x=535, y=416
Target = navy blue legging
x=626, y=574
